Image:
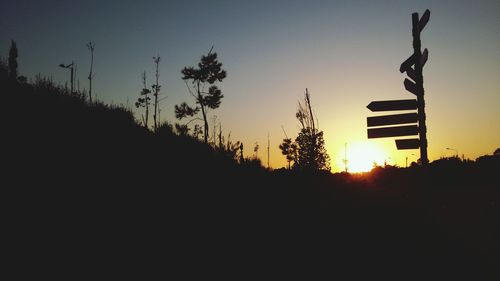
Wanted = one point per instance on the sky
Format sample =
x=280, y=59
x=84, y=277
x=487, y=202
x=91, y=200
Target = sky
x=347, y=53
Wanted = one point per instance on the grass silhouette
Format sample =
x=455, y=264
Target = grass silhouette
x=82, y=193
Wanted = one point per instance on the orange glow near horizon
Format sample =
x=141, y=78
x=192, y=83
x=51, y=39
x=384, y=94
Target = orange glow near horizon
x=362, y=155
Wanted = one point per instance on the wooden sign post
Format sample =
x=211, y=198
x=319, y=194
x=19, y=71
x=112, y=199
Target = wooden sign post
x=413, y=68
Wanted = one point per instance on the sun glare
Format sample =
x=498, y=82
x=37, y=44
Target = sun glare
x=362, y=155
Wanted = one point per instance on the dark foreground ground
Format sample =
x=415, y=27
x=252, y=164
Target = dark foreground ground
x=88, y=193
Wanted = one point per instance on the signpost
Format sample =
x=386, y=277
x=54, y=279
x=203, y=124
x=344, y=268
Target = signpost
x=408, y=144
x=388, y=105
x=412, y=87
x=392, y=119
x=413, y=68
x=397, y=131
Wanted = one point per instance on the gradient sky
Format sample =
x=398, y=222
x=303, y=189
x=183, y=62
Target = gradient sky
x=347, y=53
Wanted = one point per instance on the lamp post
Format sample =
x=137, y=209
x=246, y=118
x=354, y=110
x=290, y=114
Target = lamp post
x=407, y=160
x=456, y=151
x=345, y=157
x=70, y=66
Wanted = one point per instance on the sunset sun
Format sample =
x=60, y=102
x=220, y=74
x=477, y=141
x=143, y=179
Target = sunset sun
x=362, y=155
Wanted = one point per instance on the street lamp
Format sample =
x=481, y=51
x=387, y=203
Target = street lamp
x=70, y=67
x=456, y=151
x=407, y=160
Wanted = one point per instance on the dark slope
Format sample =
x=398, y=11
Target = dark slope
x=87, y=188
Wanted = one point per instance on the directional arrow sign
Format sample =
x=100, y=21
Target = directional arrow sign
x=392, y=119
x=412, y=87
x=411, y=73
x=409, y=62
x=393, y=131
x=423, y=20
x=408, y=144
x=424, y=57
x=389, y=105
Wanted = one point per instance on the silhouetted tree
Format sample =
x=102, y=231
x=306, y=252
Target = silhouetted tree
x=497, y=151
x=289, y=149
x=156, y=89
x=91, y=46
x=311, y=153
x=242, y=159
x=13, y=61
x=144, y=100
x=208, y=72
x=256, y=149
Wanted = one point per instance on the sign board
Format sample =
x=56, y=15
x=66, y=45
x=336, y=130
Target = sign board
x=389, y=105
x=392, y=119
x=423, y=20
x=424, y=57
x=398, y=131
x=408, y=144
x=409, y=62
x=412, y=87
x=406, y=122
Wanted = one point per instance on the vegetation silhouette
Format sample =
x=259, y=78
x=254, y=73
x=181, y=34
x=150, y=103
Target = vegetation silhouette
x=91, y=46
x=13, y=61
x=82, y=194
x=156, y=91
x=144, y=101
x=209, y=72
x=308, y=151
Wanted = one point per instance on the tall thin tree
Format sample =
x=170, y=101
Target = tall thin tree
x=91, y=46
x=156, y=90
x=268, y=144
x=144, y=100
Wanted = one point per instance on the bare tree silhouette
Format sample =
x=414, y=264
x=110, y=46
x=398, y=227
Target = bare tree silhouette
x=144, y=100
x=156, y=90
x=91, y=46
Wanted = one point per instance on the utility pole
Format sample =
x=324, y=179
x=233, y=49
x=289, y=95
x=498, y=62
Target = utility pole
x=268, y=143
x=345, y=157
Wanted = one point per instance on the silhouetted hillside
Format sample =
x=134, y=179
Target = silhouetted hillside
x=87, y=185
